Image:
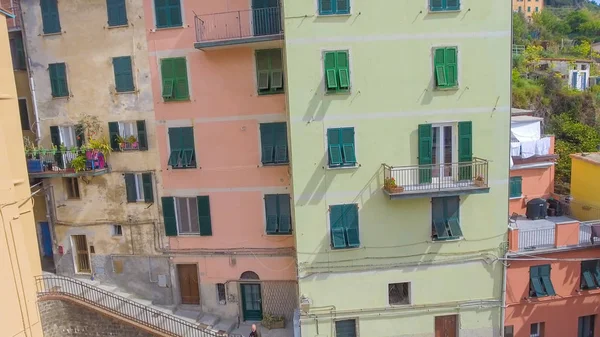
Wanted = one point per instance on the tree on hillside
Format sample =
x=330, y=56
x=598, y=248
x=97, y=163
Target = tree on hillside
x=549, y=26
x=520, y=28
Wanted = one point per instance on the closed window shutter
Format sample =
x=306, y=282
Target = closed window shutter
x=175, y=13
x=425, y=152
x=281, y=148
x=271, y=213
x=168, y=208
x=285, y=214
x=452, y=5
x=351, y=225
x=438, y=216
x=267, y=140
x=130, y=187
x=336, y=224
x=50, y=18
x=334, y=147
x=451, y=214
x=326, y=7
x=436, y=5
x=181, y=79
x=53, y=79
x=123, y=74
x=62, y=79
x=440, y=67
x=175, y=144
x=343, y=71
x=451, y=66
x=515, y=187
x=465, y=150
x=330, y=71
x=148, y=191
x=204, y=216
x=348, y=151
x=113, y=134
x=276, y=70
x=168, y=78
x=162, y=13
x=117, y=14
x=342, y=6
x=263, y=70
x=142, y=136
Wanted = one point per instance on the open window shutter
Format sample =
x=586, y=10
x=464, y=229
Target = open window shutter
x=142, y=136
x=271, y=213
x=188, y=146
x=465, y=150
x=204, y=215
x=148, y=191
x=79, y=135
x=348, y=151
x=596, y=272
x=53, y=80
x=425, y=152
x=342, y=68
x=438, y=217
x=452, y=216
x=285, y=214
x=337, y=226
x=61, y=72
x=351, y=225
x=55, y=138
x=276, y=69
x=181, y=80
x=326, y=7
x=439, y=66
x=342, y=6
x=452, y=5
x=281, y=148
x=168, y=208
x=436, y=5
x=168, y=77
x=536, y=284
x=334, y=147
x=162, y=14
x=267, y=140
x=451, y=66
x=330, y=71
x=130, y=187
x=263, y=67
x=113, y=134
x=545, y=274
x=175, y=144
x=588, y=278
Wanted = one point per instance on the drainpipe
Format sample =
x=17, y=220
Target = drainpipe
x=38, y=136
x=503, y=306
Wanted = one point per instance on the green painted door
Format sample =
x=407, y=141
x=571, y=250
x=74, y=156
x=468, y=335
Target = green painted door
x=251, y=302
x=425, y=134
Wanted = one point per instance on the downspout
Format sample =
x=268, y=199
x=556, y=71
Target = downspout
x=503, y=305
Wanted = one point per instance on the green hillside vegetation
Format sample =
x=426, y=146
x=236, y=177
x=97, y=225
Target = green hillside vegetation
x=572, y=116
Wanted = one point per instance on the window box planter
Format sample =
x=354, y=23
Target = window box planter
x=394, y=190
x=273, y=322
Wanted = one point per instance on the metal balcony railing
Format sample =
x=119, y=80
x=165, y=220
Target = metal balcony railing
x=127, y=309
x=15, y=24
x=46, y=163
x=260, y=22
x=545, y=238
x=471, y=175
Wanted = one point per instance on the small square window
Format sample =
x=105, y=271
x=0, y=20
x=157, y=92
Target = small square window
x=117, y=230
x=221, y=297
x=509, y=331
x=72, y=188
x=536, y=330
x=345, y=328
x=399, y=293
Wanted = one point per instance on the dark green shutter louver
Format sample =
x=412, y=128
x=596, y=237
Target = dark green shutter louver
x=175, y=144
x=326, y=7
x=347, y=143
x=267, y=140
x=425, y=152
x=271, y=213
x=142, y=136
x=117, y=12
x=351, y=225
x=269, y=71
x=113, y=135
x=55, y=138
x=515, y=187
x=544, y=272
x=18, y=51
x=130, y=188
x=281, y=148
x=123, y=74
x=148, y=190
x=168, y=78
x=181, y=80
x=465, y=150
x=336, y=222
x=452, y=5
x=50, y=17
x=168, y=13
x=168, y=208
x=451, y=66
x=330, y=72
x=335, y=148
x=58, y=79
x=342, y=68
x=285, y=214
x=204, y=218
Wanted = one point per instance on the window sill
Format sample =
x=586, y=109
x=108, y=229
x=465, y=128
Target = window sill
x=126, y=92
x=271, y=93
x=451, y=239
x=279, y=234
x=188, y=234
x=274, y=164
x=516, y=198
x=181, y=168
x=168, y=28
x=320, y=15
x=51, y=34
x=60, y=97
x=456, y=88
x=445, y=11
x=337, y=92
x=176, y=100
x=357, y=165
x=344, y=249
x=118, y=26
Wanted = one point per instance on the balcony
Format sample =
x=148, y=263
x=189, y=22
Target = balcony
x=551, y=233
x=14, y=24
x=70, y=163
x=254, y=26
x=436, y=180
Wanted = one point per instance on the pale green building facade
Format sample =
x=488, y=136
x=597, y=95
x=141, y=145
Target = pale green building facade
x=425, y=89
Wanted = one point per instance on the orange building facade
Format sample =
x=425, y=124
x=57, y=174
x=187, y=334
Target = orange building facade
x=528, y=7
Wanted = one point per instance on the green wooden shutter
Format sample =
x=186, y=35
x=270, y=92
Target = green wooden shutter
x=271, y=213
x=465, y=150
x=175, y=13
x=188, y=147
x=425, y=152
x=123, y=74
x=330, y=71
x=440, y=67
x=451, y=66
x=168, y=208
x=20, y=62
x=267, y=142
x=452, y=5
x=204, y=215
x=181, y=80
x=130, y=187
x=113, y=135
x=342, y=67
x=351, y=225
x=53, y=79
x=336, y=224
x=285, y=214
x=348, y=148
x=168, y=78
x=436, y=5
x=263, y=70
x=515, y=187
x=281, y=148
x=148, y=190
x=342, y=7
x=175, y=145
x=452, y=216
x=162, y=13
x=276, y=61
x=546, y=281
x=438, y=216
x=58, y=79
x=117, y=12
x=326, y=7
x=587, y=274
x=334, y=147
x=142, y=136
x=50, y=18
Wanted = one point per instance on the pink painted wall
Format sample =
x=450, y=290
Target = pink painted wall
x=560, y=313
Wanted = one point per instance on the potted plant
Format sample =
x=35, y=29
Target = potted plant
x=273, y=322
x=479, y=181
x=132, y=141
x=389, y=184
x=100, y=145
x=122, y=142
x=78, y=164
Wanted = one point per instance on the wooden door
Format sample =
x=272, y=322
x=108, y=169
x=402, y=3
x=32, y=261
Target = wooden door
x=188, y=283
x=251, y=302
x=445, y=326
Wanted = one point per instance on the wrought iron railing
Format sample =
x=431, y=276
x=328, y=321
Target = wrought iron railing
x=128, y=309
x=438, y=177
x=238, y=24
x=59, y=162
x=539, y=238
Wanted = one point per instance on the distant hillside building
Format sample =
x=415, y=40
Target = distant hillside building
x=528, y=7
x=575, y=71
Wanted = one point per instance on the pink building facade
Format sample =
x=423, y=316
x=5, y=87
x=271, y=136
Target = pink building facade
x=222, y=137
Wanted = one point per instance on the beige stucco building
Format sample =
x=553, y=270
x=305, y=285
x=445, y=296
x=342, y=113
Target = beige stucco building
x=18, y=247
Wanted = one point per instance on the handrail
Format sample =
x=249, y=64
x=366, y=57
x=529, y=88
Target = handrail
x=240, y=24
x=121, y=306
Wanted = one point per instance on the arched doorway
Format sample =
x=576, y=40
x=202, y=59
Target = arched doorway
x=251, y=296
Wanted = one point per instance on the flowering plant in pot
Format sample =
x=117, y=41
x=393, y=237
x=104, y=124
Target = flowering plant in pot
x=389, y=184
x=479, y=181
x=273, y=322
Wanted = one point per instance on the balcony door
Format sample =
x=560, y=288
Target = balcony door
x=443, y=151
x=265, y=17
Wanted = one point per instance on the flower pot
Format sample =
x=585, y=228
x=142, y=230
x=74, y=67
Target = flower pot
x=479, y=183
x=274, y=324
x=394, y=190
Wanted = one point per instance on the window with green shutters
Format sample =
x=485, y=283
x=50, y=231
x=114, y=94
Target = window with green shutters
x=341, y=149
x=273, y=138
x=120, y=132
x=590, y=274
x=444, y=5
x=445, y=66
x=445, y=217
x=187, y=216
x=331, y=7
x=345, y=328
x=181, y=142
x=168, y=13
x=337, y=71
x=278, y=214
x=174, y=79
x=465, y=150
x=138, y=187
x=343, y=222
x=117, y=12
x=50, y=18
x=123, y=74
x=540, y=284
x=17, y=52
x=515, y=186
x=58, y=79
x=269, y=71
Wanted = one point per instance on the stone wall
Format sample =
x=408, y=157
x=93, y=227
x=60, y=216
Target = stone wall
x=64, y=319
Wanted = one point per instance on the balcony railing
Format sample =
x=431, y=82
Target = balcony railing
x=14, y=24
x=566, y=234
x=450, y=178
x=238, y=27
x=45, y=164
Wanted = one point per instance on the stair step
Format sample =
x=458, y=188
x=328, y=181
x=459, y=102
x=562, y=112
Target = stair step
x=142, y=301
x=188, y=315
x=108, y=288
x=224, y=325
x=208, y=320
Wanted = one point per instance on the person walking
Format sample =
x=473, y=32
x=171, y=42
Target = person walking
x=255, y=332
